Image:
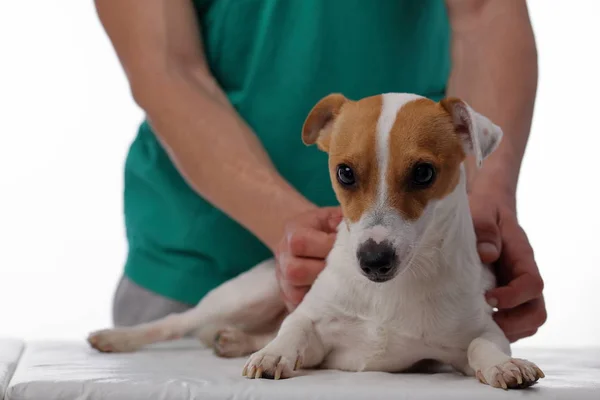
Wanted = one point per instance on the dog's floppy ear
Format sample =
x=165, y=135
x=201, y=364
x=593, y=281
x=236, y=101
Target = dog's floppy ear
x=479, y=135
x=319, y=123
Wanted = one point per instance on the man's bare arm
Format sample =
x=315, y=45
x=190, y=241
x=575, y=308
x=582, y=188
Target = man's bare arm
x=158, y=43
x=495, y=70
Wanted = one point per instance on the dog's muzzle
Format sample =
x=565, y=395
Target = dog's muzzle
x=378, y=261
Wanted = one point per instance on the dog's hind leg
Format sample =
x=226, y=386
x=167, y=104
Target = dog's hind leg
x=233, y=342
x=250, y=302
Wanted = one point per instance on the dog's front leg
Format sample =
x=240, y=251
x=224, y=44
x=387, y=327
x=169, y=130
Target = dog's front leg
x=296, y=345
x=489, y=357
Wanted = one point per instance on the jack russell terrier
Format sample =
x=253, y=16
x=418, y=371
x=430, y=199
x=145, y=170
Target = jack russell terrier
x=403, y=282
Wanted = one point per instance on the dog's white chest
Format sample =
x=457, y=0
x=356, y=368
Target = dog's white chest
x=361, y=345
x=386, y=335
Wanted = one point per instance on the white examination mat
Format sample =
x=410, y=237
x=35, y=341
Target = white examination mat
x=184, y=370
x=10, y=352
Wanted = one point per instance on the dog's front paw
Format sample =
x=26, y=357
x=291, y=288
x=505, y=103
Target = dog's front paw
x=270, y=363
x=118, y=340
x=513, y=374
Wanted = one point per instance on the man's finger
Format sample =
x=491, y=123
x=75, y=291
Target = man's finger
x=517, y=267
x=519, y=291
x=523, y=319
x=517, y=255
x=523, y=335
x=306, y=242
x=293, y=295
x=329, y=218
x=489, y=242
x=301, y=271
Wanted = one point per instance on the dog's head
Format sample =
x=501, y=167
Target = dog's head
x=392, y=159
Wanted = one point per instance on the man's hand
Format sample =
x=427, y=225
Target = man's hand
x=301, y=253
x=503, y=243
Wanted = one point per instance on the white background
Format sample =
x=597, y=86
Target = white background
x=67, y=118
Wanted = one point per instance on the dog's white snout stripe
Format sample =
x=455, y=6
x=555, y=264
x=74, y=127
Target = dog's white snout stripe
x=391, y=104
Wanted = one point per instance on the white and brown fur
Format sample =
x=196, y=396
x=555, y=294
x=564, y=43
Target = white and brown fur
x=426, y=304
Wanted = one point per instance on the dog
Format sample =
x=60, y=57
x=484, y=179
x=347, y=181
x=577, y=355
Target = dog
x=403, y=283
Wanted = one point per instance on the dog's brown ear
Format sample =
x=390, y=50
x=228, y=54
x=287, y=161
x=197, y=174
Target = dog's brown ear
x=319, y=123
x=479, y=135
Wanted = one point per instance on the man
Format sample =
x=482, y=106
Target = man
x=218, y=179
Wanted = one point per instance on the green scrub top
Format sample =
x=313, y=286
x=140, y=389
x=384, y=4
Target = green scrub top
x=274, y=59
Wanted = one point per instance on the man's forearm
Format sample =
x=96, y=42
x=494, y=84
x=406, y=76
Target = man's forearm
x=160, y=47
x=218, y=154
x=495, y=70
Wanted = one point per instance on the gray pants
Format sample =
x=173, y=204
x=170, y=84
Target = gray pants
x=132, y=305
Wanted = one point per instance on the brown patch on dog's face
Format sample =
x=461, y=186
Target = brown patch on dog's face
x=422, y=135
x=353, y=143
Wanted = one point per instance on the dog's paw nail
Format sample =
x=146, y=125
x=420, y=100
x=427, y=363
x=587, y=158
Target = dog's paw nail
x=519, y=379
x=267, y=364
x=539, y=371
x=278, y=372
x=480, y=377
x=502, y=382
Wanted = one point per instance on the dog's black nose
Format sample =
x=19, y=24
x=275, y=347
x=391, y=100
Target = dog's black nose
x=376, y=258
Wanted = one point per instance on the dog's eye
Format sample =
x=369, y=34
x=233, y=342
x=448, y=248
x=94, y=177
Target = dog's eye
x=423, y=175
x=345, y=175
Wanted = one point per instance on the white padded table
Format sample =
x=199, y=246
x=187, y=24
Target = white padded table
x=10, y=352
x=185, y=370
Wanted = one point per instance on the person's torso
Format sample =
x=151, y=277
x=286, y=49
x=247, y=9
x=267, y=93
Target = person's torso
x=275, y=59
